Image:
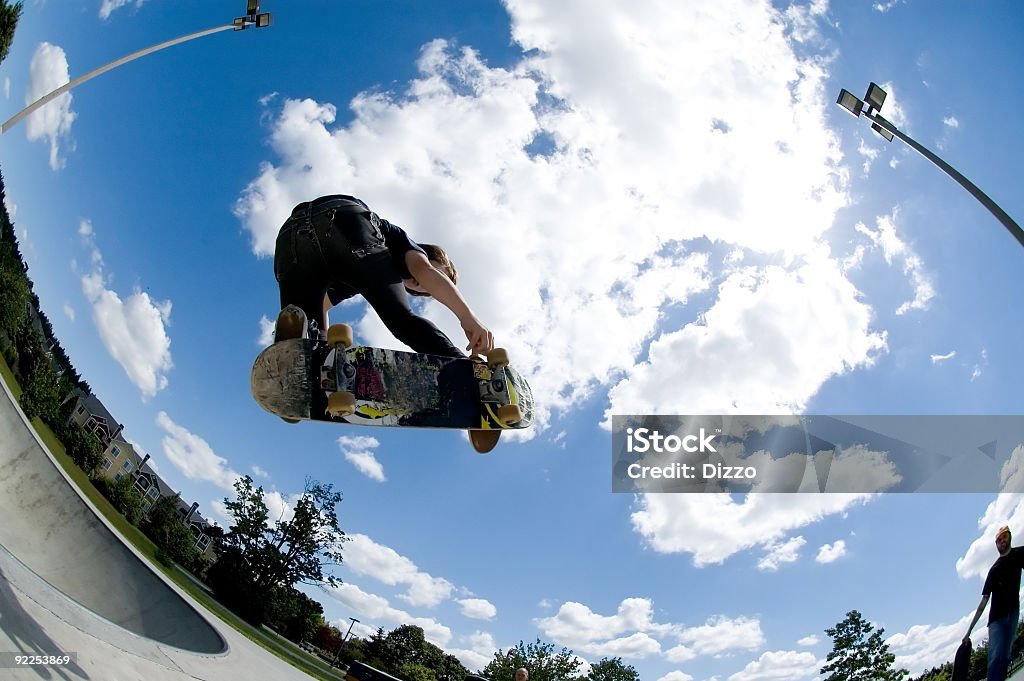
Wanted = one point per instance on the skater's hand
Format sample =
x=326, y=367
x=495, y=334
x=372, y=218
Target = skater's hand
x=481, y=340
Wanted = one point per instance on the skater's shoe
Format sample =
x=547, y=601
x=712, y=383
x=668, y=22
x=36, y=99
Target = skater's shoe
x=291, y=323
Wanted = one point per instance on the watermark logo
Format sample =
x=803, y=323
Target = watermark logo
x=643, y=440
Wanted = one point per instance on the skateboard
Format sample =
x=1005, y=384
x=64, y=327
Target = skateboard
x=333, y=380
x=962, y=662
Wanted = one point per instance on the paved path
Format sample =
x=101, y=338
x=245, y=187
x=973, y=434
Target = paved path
x=70, y=584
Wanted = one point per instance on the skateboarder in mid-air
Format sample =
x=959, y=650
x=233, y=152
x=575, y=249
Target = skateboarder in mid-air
x=333, y=248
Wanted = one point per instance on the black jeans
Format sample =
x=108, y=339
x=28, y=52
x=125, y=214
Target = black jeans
x=333, y=241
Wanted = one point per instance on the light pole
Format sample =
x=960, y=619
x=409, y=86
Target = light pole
x=354, y=620
x=252, y=17
x=874, y=99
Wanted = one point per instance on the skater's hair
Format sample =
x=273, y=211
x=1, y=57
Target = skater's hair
x=436, y=254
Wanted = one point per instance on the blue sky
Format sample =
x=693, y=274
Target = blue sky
x=656, y=210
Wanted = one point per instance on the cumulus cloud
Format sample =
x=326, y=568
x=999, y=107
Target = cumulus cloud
x=829, y=553
x=193, y=456
x=886, y=237
x=477, y=608
x=779, y=553
x=615, y=237
x=373, y=608
x=366, y=557
x=779, y=665
x=52, y=122
x=132, y=329
x=108, y=7
x=358, y=450
x=713, y=527
x=632, y=633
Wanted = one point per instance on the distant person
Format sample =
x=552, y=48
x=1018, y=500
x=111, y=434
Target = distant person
x=333, y=248
x=522, y=674
x=1003, y=585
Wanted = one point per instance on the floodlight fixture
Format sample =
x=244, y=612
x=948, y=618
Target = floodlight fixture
x=850, y=102
x=263, y=20
x=875, y=96
x=882, y=131
x=238, y=23
x=252, y=7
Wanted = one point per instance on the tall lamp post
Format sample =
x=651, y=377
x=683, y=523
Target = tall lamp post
x=873, y=100
x=252, y=17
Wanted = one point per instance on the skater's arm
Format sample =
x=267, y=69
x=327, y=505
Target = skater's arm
x=327, y=307
x=439, y=286
x=977, y=615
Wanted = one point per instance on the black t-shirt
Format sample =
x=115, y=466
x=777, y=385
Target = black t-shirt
x=398, y=244
x=1003, y=582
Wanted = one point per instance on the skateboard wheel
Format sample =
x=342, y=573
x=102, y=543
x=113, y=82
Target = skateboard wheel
x=341, y=404
x=484, y=441
x=510, y=414
x=498, y=357
x=339, y=335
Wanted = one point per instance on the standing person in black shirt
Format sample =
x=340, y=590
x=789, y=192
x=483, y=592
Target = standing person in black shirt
x=1003, y=585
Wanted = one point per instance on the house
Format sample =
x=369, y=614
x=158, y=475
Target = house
x=93, y=417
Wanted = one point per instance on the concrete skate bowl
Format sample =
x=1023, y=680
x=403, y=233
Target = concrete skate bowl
x=52, y=536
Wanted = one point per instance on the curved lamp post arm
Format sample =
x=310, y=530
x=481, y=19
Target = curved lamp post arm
x=991, y=205
x=103, y=69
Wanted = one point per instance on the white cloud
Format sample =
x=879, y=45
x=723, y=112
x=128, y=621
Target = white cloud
x=936, y=359
x=477, y=608
x=193, y=456
x=266, y=336
x=632, y=633
x=808, y=641
x=886, y=6
x=358, y=451
x=829, y=553
x=108, y=7
x=367, y=557
x=781, y=665
x=923, y=647
x=612, y=230
x=676, y=676
x=134, y=329
x=951, y=121
x=371, y=608
x=52, y=122
x=480, y=650
x=779, y=553
x=887, y=238
x=714, y=527
x=69, y=311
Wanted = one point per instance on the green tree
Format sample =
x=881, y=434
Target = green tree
x=163, y=526
x=294, y=614
x=43, y=391
x=612, y=669
x=84, y=448
x=125, y=498
x=859, y=653
x=14, y=284
x=539, y=659
x=9, y=15
x=258, y=557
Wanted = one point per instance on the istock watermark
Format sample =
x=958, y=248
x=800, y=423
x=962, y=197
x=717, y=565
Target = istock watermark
x=815, y=454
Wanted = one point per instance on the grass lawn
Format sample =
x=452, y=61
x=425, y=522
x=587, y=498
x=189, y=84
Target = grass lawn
x=268, y=640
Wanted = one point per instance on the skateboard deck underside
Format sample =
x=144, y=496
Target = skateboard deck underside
x=392, y=388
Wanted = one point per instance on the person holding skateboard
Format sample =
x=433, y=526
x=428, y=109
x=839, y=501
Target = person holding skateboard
x=1003, y=586
x=334, y=247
